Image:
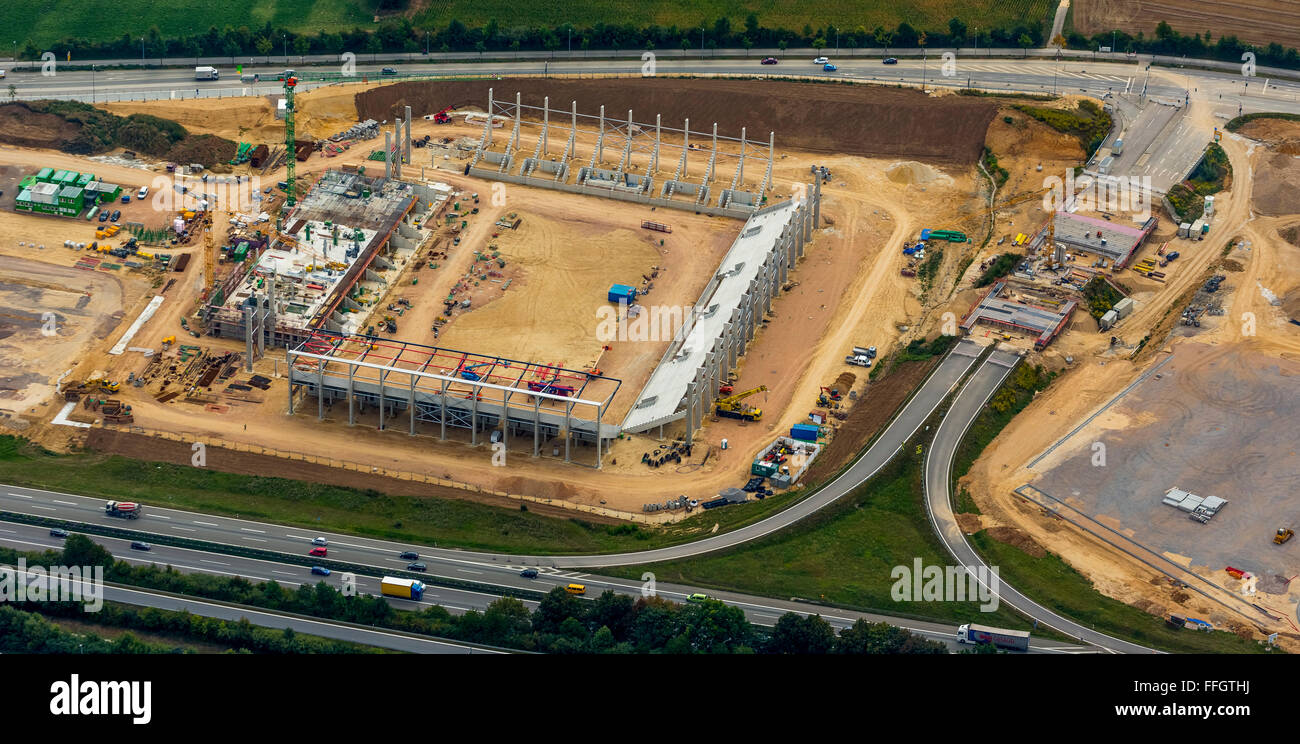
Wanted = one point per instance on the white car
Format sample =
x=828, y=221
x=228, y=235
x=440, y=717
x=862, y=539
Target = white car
x=142, y=193
x=320, y=541
x=821, y=60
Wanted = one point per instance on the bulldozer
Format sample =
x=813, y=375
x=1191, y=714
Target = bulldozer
x=733, y=406
x=1283, y=534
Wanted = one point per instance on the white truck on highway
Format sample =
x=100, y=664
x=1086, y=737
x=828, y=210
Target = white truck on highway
x=206, y=73
x=1013, y=640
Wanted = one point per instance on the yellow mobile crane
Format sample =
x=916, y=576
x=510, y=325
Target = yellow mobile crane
x=733, y=406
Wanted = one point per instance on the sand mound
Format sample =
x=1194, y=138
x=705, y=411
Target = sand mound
x=1277, y=185
x=911, y=171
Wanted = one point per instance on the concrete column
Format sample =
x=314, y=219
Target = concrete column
x=490, y=113
x=443, y=411
x=288, y=363
x=690, y=410
x=600, y=416
x=383, y=399
x=686, y=147
x=817, y=203
x=410, y=404
x=654, y=157
x=352, y=371
x=546, y=122
x=320, y=388
x=600, y=152
x=408, y=134
x=537, y=425
x=740, y=171
x=568, y=407
x=388, y=154
x=473, y=415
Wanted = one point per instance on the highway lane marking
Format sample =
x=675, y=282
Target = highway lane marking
x=284, y=573
x=219, y=563
x=20, y=495
x=159, y=516
x=466, y=570
x=255, y=539
x=205, y=524
x=249, y=529
x=46, y=508
x=187, y=529
x=65, y=503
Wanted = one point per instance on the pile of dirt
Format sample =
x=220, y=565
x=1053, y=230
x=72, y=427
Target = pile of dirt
x=21, y=126
x=864, y=120
x=1277, y=184
x=1291, y=235
x=1281, y=135
x=1228, y=264
x=82, y=129
x=207, y=149
x=1014, y=537
x=913, y=172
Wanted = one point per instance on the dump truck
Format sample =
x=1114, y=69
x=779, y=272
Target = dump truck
x=123, y=509
x=1012, y=640
x=404, y=588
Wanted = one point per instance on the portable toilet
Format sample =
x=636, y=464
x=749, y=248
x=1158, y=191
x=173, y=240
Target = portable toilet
x=622, y=293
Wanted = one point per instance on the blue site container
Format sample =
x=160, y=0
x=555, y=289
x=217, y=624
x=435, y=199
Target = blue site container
x=925, y=234
x=805, y=432
x=622, y=293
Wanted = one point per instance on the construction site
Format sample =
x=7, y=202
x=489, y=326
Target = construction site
x=645, y=296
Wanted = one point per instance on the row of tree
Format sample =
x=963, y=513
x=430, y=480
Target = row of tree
x=401, y=35
x=561, y=624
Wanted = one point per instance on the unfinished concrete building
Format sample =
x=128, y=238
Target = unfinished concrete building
x=650, y=164
x=1043, y=323
x=340, y=234
x=428, y=388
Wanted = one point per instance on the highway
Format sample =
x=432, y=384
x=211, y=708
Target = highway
x=938, y=499
x=759, y=610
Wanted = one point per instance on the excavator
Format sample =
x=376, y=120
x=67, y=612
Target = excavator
x=733, y=406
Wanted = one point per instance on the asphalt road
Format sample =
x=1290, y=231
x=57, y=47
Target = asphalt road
x=938, y=499
x=760, y=611
x=351, y=548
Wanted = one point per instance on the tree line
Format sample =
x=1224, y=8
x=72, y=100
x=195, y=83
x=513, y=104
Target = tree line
x=561, y=624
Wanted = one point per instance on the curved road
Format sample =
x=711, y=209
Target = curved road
x=938, y=500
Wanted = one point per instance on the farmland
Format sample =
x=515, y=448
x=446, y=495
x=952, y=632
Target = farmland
x=48, y=22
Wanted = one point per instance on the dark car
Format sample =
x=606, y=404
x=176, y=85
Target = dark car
x=320, y=571
x=103, y=216
x=890, y=61
x=1172, y=255
x=57, y=532
x=409, y=555
x=769, y=61
x=388, y=71
x=529, y=573
x=416, y=567
x=117, y=215
x=137, y=545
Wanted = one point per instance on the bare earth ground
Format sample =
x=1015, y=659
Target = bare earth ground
x=1258, y=21
x=83, y=307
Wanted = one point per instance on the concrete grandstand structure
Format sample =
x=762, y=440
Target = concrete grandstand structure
x=721, y=323
x=665, y=181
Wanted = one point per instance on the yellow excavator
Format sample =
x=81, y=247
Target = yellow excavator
x=733, y=406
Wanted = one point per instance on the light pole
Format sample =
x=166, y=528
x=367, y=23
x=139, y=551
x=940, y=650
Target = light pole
x=426, y=43
x=92, y=83
x=142, y=51
x=285, y=37
x=570, y=42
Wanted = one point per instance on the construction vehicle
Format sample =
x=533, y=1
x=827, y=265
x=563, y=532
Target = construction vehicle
x=167, y=342
x=1283, y=534
x=107, y=386
x=123, y=509
x=733, y=406
x=441, y=117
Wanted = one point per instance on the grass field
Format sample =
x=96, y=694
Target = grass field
x=431, y=521
x=51, y=20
